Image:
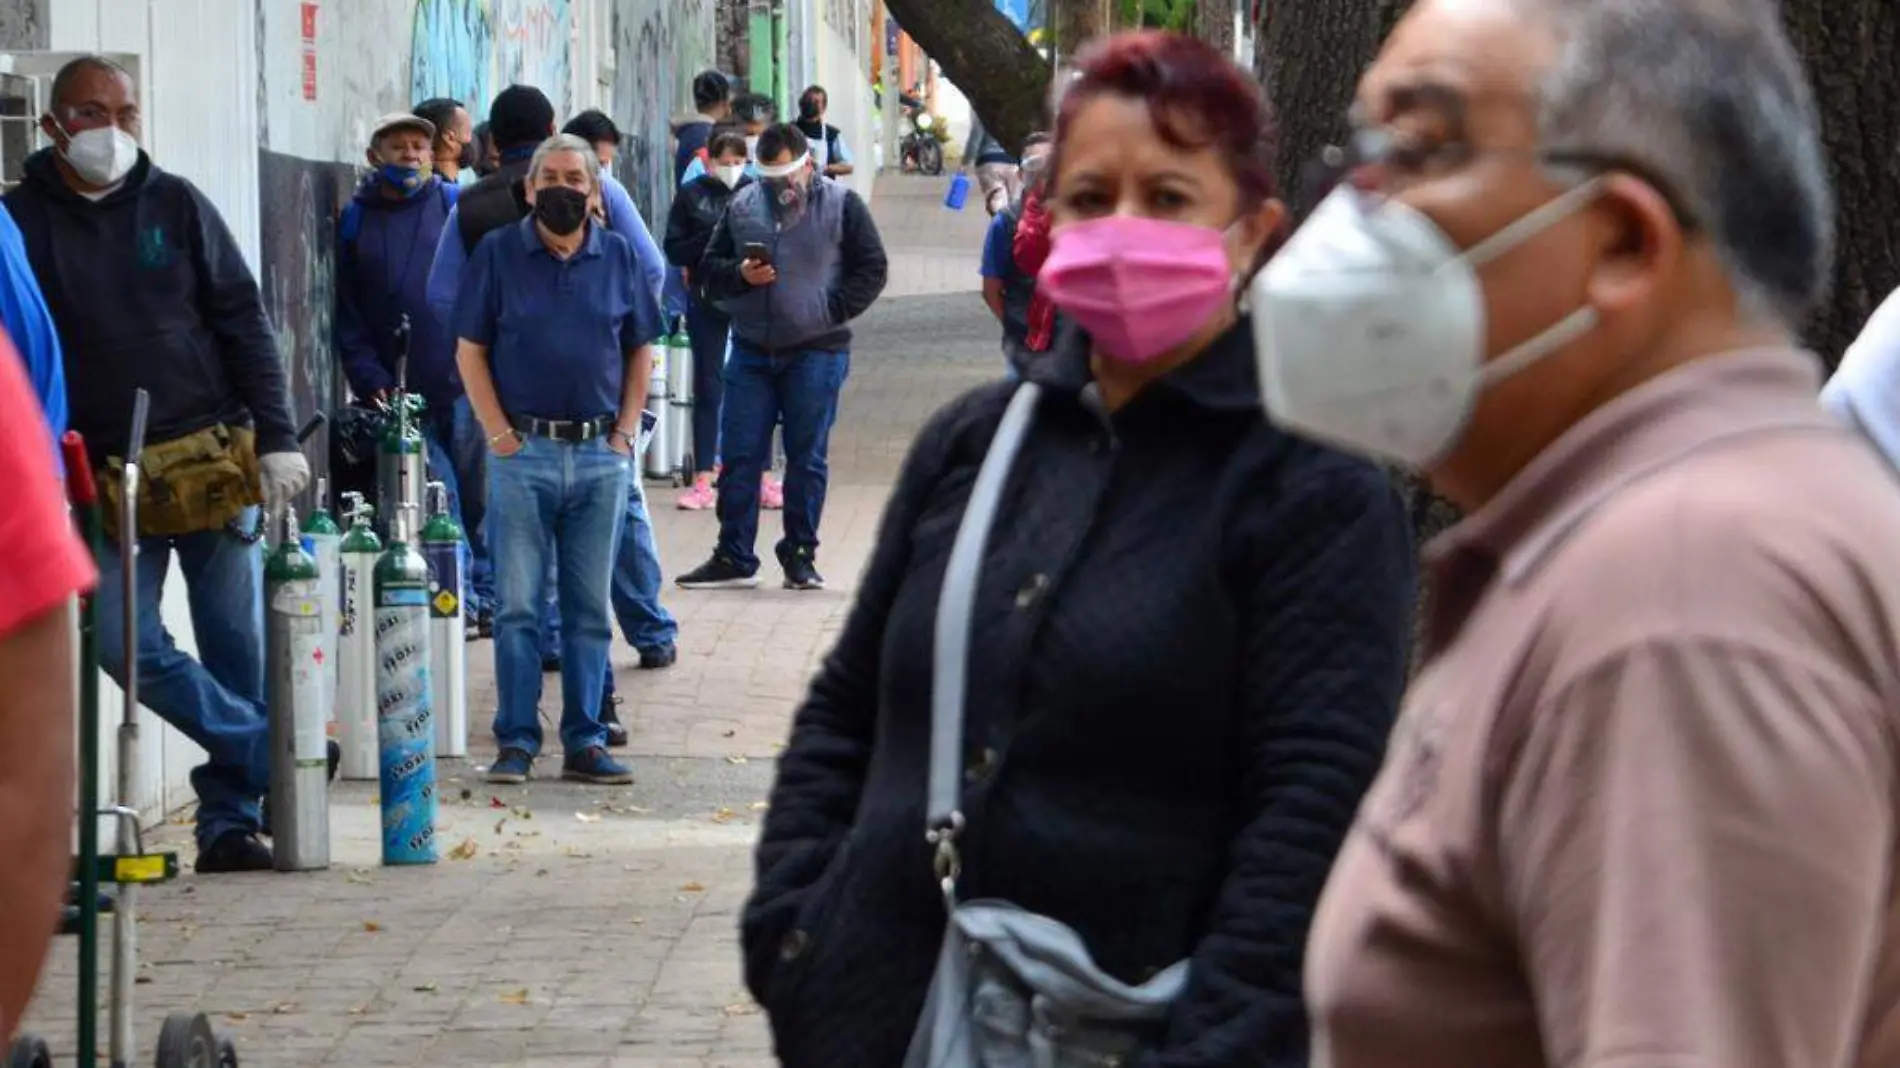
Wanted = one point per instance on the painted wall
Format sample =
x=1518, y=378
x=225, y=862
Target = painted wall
x=23, y=24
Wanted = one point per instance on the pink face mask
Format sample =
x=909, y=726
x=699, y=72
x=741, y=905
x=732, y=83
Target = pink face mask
x=1140, y=287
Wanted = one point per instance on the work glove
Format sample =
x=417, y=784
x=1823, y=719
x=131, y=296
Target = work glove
x=285, y=474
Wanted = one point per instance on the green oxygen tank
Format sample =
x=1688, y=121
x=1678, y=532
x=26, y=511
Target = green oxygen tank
x=356, y=642
x=443, y=546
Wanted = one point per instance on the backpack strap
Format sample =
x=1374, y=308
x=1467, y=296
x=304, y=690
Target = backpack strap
x=348, y=226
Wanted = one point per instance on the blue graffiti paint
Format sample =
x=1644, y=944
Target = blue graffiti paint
x=451, y=48
x=532, y=39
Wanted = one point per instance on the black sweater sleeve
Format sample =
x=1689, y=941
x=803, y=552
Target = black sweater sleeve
x=1327, y=622
x=866, y=267
x=234, y=310
x=822, y=771
x=686, y=236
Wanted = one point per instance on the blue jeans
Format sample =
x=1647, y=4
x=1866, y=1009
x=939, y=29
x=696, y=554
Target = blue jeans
x=636, y=586
x=709, y=330
x=563, y=501
x=799, y=389
x=458, y=458
x=217, y=701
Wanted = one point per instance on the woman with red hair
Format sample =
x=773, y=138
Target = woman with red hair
x=1186, y=639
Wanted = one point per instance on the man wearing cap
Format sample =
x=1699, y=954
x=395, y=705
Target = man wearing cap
x=385, y=244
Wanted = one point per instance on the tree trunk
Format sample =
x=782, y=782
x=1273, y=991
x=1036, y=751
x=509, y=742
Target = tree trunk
x=1077, y=22
x=987, y=57
x=1848, y=48
x=1214, y=23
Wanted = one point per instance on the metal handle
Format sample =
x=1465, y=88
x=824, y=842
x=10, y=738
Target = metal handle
x=141, y=409
x=315, y=424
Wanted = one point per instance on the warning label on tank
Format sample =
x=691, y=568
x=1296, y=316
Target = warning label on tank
x=310, y=736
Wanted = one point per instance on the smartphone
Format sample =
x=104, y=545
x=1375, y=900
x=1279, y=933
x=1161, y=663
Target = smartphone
x=757, y=253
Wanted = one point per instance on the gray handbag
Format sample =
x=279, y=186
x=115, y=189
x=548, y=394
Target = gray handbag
x=1012, y=989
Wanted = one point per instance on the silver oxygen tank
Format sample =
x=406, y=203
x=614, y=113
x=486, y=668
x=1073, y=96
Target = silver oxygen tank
x=679, y=392
x=657, y=464
x=323, y=540
x=401, y=454
x=299, y=767
x=356, y=643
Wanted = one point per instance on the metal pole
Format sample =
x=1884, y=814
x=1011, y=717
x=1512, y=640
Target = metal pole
x=85, y=498
x=125, y=914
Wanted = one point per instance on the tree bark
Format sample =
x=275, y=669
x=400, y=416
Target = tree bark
x=1077, y=22
x=1214, y=23
x=1848, y=48
x=1309, y=56
x=987, y=57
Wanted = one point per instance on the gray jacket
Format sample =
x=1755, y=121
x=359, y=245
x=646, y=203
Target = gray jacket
x=831, y=268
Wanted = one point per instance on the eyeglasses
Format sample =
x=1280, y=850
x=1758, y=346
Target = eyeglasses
x=1380, y=162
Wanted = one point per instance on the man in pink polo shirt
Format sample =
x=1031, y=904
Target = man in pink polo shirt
x=42, y=565
x=1640, y=808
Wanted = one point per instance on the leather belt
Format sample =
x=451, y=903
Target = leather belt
x=572, y=431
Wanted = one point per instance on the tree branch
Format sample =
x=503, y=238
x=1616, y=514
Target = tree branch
x=987, y=57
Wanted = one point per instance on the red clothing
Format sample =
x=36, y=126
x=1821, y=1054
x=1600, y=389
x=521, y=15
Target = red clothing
x=1031, y=249
x=42, y=559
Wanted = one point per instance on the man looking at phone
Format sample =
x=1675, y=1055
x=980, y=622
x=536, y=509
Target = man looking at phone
x=796, y=258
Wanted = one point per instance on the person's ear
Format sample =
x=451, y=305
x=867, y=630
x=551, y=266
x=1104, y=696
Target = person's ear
x=1636, y=241
x=1257, y=233
x=369, y=156
x=51, y=129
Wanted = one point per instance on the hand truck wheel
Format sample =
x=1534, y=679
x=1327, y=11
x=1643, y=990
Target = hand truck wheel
x=29, y=1051
x=227, y=1053
x=186, y=1041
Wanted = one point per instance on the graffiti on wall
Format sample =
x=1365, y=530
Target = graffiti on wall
x=470, y=49
x=297, y=247
x=659, y=45
x=450, y=43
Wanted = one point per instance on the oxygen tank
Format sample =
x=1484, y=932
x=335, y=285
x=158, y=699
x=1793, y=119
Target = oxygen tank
x=442, y=548
x=405, y=696
x=356, y=642
x=679, y=393
x=400, y=454
x=324, y=542
x=656, y=460
x=294, y=640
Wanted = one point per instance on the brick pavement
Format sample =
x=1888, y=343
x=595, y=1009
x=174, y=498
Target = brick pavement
x=567, y=926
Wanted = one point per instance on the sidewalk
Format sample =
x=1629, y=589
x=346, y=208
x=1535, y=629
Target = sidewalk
x=573, y=926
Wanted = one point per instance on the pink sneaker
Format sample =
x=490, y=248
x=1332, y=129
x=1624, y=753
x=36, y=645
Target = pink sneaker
x=771, y=494
x=701, y=497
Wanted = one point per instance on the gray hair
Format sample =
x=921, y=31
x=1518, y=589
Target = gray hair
x=1710, y=97
x=565, y=143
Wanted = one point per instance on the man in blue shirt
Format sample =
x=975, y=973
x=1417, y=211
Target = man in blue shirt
x=556, y=354
x=23, y=313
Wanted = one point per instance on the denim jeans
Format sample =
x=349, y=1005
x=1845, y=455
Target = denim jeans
x=458, y=458
x=218, y=700
x=709, y=330
x=799, y=389
x=637, y=582
x=553, y=499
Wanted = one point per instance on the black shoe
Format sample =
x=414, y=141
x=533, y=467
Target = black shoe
x=660, y=656
x=718, y=573
x=610, y=719
x=335, y=754
x=234, y=851
x=595, y=766
x=485, y=622
x=800, y=572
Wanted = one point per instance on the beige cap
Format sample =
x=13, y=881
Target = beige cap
x=403, y=120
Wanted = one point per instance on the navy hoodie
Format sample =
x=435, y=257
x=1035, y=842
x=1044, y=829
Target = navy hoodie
x=147, y=288
x=383, y=273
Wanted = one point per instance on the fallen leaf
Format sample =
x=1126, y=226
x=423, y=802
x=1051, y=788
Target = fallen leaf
x=638, y=920
x=496, y=802
x=500, y=823
x=724, y=815
x=541, y=871
x=741, y=1008
x=358, y=1010
x=760, y=806
x=360, y=875
x=372, y=926
x=693, y=888
x=736, y=760
x=465, y=851
x=728, y=734
x=426, y=988
x=237, y=1016
x=587, y=817
x=578, y=853
x=515, y=997
x=284, y=1007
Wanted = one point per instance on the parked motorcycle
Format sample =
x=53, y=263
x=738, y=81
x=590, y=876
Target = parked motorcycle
x=922, y=153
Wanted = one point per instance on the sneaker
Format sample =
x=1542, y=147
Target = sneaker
x=718, y=573
x=485, y=622
x=701, y=497
x=512, y=768
x=594, y=765
x=658, y=657
x=771, y=493
x=610, y=719
x=800, y=572
x=234, y=851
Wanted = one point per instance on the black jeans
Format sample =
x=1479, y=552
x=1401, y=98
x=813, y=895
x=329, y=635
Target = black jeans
x=708, y=328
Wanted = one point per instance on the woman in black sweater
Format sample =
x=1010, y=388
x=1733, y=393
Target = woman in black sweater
x=697, y=209
x=1188, y=640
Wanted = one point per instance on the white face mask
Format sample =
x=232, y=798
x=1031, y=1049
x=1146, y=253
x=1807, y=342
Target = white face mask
x=102, y=155
x=1369, y=326
x=731, y=174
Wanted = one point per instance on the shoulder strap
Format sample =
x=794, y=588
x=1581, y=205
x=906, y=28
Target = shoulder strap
x=954, y=607
x=349, y=225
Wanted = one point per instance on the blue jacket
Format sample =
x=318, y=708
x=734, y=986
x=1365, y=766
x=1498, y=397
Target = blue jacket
x=831, y=268
x=23, y=313
x=385, y=248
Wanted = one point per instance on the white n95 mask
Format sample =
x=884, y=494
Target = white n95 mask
x=1369, y=326
x=102, y=155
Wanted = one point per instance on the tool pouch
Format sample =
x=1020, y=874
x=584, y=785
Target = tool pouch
x=198, y=482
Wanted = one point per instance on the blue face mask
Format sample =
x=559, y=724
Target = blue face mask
x=405, y=180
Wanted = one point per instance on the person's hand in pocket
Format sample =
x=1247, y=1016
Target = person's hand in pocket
x=507, y=443
x=621, y=442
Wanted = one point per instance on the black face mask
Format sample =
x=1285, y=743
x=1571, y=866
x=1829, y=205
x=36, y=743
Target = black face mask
x=560, y=209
